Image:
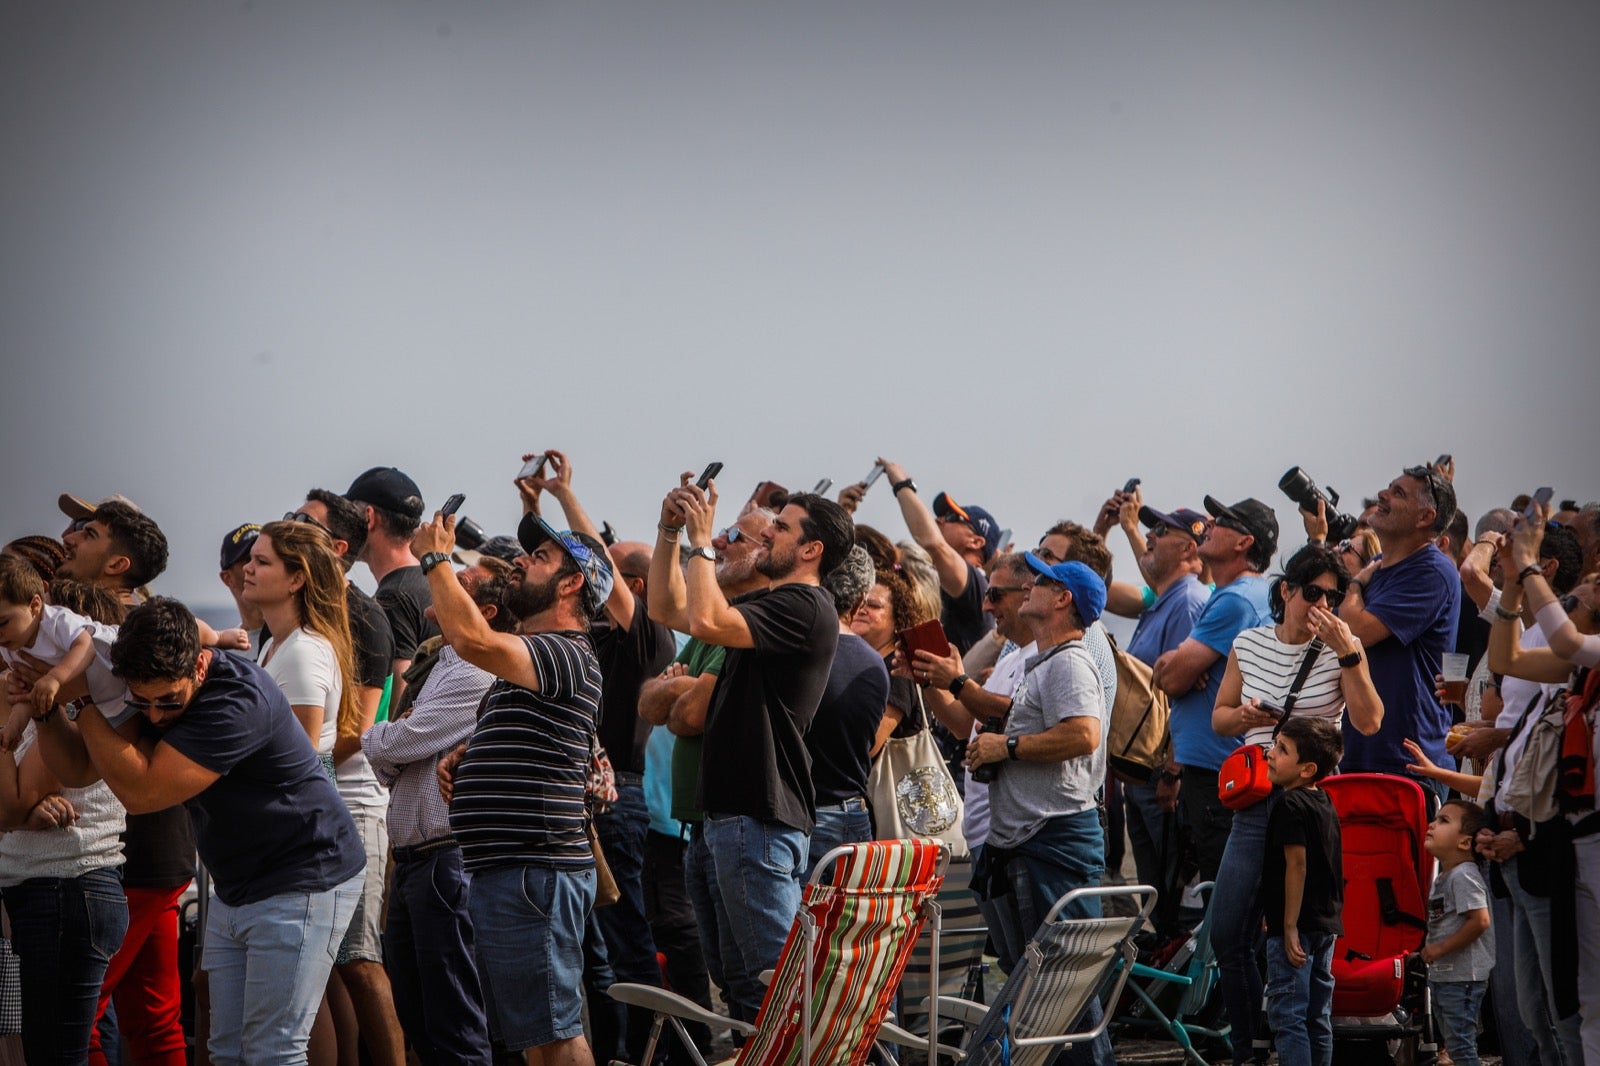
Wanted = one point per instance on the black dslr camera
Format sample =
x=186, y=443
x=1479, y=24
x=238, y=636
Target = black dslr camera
x=989, y=772
x=1298, y=486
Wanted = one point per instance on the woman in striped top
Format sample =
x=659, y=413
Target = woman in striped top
x=1261, y=669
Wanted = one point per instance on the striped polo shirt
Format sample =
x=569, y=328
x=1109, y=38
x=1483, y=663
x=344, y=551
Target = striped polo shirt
x=519, y=789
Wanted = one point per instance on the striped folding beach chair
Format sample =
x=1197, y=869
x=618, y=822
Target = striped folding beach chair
x=846, y=952
x=963, y=933
x=1067, y=961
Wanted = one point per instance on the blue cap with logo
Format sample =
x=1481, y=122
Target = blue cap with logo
x=975, y=518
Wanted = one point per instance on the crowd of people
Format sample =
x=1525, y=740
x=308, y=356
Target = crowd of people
x=400, y=802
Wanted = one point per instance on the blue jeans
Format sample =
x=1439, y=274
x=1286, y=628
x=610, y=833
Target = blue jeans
x=428, y=951
x=848, y=822
x=64, y=931
x=700, y=883
x=268, y=964
x=1236, y=922
x=758, y=868
x=630, y=944
x=1455, y=1008
x=1559, y=1044
x=1300, y=1001
x=1517, y=1046
x=1067, y=852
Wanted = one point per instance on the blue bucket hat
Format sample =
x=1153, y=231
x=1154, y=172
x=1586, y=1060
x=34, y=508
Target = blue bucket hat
x=1088, y=591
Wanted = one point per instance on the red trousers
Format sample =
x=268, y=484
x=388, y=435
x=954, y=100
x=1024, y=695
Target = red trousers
x=145, y=979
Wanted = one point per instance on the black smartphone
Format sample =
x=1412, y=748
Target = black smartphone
x=1131, y=484
x=453, y=504
x=1542, y=496
x=711, y=471
x=1443, y=460
x=872, y=475
x=1271, y=708
x=533, y=467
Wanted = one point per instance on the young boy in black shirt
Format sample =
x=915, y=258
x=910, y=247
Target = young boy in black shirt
x=1302, y=892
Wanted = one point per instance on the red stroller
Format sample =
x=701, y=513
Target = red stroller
x=1380, y=991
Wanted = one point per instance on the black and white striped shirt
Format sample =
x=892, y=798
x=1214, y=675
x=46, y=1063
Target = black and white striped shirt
x=519, y=790
x=1267, y=667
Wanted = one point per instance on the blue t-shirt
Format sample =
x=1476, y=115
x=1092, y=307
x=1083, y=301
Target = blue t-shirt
x=1231, y=610
x=273, y=823
x=1419, y=600
x=1168, y=621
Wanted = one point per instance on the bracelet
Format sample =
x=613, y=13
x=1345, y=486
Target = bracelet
x=1527, y=571
x=671, y=531
x=1509, y=616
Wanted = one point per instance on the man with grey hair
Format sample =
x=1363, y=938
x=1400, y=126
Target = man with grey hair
x=844, y=731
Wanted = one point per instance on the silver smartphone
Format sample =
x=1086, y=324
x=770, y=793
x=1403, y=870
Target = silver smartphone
x=533, y=467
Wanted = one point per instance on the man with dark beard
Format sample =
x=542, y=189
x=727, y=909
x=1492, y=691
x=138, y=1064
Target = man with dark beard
x=516, y=788
x=755, y=780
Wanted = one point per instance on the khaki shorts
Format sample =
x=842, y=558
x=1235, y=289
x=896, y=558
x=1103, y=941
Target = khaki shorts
x=364, y=940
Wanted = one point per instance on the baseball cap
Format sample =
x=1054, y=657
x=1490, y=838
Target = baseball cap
x=386, y=487
x=976, y=518
x=590, y=557
x=236, y=545
x=502, y=547
x=1253, y=515
x=1088, y=591
x=76, y=508
x=1192, y=523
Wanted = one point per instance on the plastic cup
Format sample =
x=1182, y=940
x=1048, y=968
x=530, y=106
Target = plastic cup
x=1454, y=666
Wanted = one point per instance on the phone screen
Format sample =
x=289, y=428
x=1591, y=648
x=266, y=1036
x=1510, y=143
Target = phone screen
x=533, y=467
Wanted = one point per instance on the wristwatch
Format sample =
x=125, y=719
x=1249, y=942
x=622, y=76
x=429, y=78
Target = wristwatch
x=1353, y=659
x=703, y=552
x=958, y=684
x=433, y=559
x=1011, y=748
x=72, y=708
x=906, y=484
x=1528, y=571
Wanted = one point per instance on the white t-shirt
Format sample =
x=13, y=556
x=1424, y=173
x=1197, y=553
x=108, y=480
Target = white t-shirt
x=1003, y=681
x=58, y=628
x=1268, y=666
x=305, y=667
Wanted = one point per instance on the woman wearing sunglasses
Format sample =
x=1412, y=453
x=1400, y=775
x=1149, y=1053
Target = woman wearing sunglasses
x=1261, y=670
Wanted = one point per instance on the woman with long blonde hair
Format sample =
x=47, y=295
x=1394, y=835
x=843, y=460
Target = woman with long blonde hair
x=295, y=579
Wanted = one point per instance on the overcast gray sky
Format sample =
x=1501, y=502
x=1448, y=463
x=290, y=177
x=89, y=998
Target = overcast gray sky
x=1030, y=250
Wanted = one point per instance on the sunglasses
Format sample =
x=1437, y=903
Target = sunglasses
x=733, y=534
x=301, y=516
x=994, y=593
x=136, y=704
x=78, y=524
x=1317, y=594
x=1228, y=522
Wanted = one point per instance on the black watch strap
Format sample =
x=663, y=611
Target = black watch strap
x=433, y=559
x=958, y=684
x=1011, y=748
x=906, y=484
x=1353, y=659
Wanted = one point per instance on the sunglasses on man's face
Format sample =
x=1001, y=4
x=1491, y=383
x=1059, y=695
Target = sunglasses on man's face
x=301, y=516
x=733, y=534
x=996, y=592
x=1234, y=524
x=1317, y=594
x=136, y=704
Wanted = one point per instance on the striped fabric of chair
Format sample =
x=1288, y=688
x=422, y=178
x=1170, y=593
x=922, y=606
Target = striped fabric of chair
x=963, y=933
x=850, y=945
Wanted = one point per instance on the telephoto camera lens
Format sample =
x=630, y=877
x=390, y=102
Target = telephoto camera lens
x=469, y=534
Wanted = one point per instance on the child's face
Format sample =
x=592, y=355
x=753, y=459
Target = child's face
x=19, y=623
x=1445, y=840
x=1284, y=767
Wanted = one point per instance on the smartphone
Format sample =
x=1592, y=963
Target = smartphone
x=1131, y=484
x=1004, y=540
x=1271, y=708
x=533, y=467
x=874, y=474
x=711, y=471
x=1540, y=497
x=452, y=505
x=1443, y=460
x=822, y=486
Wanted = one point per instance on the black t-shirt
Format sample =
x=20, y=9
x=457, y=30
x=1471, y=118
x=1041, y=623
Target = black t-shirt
x=840, y=740
x=370, y=637
x=627, y=659
x=755, y=762
x=904, y=697
x=404, y=595
x=962, y=616
x=159, y=849
x=1306, y=817
x=1472, y=633
x=273, y=823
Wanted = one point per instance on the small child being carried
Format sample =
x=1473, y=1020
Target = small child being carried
x=73, y=646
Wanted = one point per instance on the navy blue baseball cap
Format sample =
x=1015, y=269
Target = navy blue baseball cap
x=975, y=518
x=1191, y=523
x=1088, y=591
x=236, y=545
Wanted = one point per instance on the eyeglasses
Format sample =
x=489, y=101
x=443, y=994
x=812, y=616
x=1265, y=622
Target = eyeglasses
x=1316, y=594
x=1229, y=522
x=995, y=592
x=78, y=524
x=134, y=703
x=733, y=534
x=301, y=516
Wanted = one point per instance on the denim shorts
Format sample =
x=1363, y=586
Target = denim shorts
x=528, y=924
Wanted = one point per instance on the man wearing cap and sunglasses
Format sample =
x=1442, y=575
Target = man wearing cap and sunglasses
x=392, y=506
x=1404, y=608
x=1238, y=546
x=517, y=787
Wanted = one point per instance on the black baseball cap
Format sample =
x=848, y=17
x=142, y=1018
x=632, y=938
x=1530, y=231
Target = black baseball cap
x=386, y=487
x=236, y=545
x=1253, y=515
